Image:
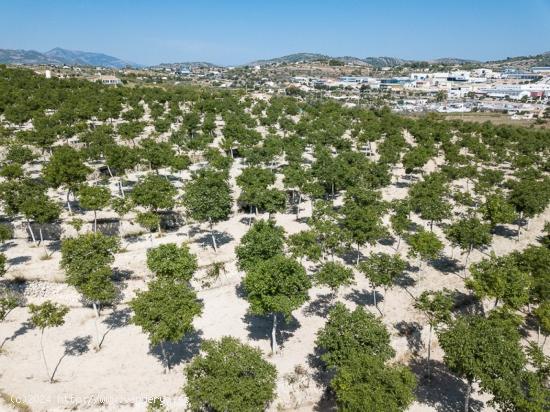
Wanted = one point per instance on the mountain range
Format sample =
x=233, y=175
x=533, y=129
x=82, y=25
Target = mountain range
x=377, y=62
x=59, y=56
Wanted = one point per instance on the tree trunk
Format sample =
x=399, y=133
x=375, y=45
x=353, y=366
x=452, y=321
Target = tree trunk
x=159, y=228
x=96, y=319
x=398, y=243
x=519, y=224
x=68, y=202
x=429, y=353
x=274, y=334
x=357, y=259
x=109, y=170
x=43, y=353
x=374, y=297
x=166, y=360
x=496, y=302
x=466, y=261
x=298, y=206
x=467, y=397
x=41, y=236
x=120, y=188
x=95, y=221
x=213, y=237
x=30, y=230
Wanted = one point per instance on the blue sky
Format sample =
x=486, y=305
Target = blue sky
x=237, y=31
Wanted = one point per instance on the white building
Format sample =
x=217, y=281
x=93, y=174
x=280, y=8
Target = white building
x=110, y=80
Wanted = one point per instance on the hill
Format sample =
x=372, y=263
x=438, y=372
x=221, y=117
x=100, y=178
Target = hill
x=59, y=56
x=377, y=62
x=10, y=56
x=81, y=58
x=542, y=59
x=180, y=65
x=291, y=58
x=384, y=61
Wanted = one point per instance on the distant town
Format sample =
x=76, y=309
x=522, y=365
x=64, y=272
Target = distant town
x=515, y=89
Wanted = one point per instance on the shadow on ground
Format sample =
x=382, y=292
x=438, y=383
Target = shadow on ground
x=259, y=328
x=320, y=306
x=444, y=391
x=182, y=351
x=364, y=297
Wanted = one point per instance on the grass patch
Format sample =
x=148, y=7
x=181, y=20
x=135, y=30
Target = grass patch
x=10, y=400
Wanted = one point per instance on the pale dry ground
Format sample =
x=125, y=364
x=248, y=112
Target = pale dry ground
x=126, y=370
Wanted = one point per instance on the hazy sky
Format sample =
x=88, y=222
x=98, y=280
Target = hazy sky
x=238, y=31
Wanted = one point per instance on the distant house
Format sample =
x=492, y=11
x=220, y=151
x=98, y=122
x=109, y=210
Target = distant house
x=541, y=69
x=109, y=80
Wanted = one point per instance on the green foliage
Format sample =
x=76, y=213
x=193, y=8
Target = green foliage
x=8, y=302
x=334, y=275
x=254, y=182
x=12, y=171
x=171, y=262
x=325, y=224
x=425, y=245
x=157, y=154
x=262, y=241
x=148, y=220
x=166, y=310
x=94, y=197
x=121, y=205
x=19, y=154
x=154, y=192
x=486, y=350
x=40, y=208
x=497, y=210
x=500, y=278
x=65, y=168
x=305, y=244
x=3, y=261
x=365, y=383
x=347, y=334
x=362, y=217
x=86, y=261
x=530, y=197
x=229, y=376
x=276, y=285
x=207, y=197
x=542, y=314
x=416, y=158
x=98, y=286
x=120, y=158
x=14, y=193
x=469, y=233
x=428, y=198
x=47, y=315
x=535, y=260
x=400, y=222
x=436, y=305
x=6, y=232
x=383, y=269
x=217, y=160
